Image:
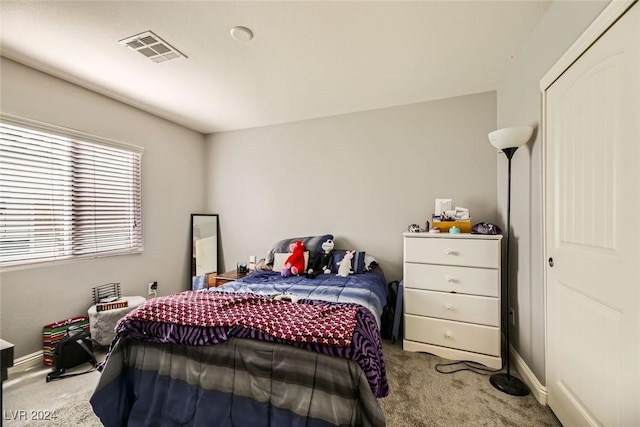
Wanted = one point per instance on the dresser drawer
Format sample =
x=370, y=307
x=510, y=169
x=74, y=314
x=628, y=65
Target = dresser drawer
x=466, y=252
x=463, y=280
x=447, y=333
x=463, y=308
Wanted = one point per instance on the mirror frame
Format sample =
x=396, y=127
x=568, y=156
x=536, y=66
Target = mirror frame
x=192, y=258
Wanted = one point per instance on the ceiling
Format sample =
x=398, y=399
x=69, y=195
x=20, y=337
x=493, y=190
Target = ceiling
x=306, y=59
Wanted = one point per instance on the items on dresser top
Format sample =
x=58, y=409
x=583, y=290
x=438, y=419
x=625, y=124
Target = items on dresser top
x=452, y=296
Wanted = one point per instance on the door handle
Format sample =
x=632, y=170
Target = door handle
x=551, y=262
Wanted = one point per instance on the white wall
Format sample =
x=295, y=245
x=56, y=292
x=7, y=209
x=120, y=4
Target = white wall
x=519, y=103
x=363, y=177
x=172, y=188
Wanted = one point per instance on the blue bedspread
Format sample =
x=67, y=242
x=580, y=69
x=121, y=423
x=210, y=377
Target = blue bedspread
x=245, y=379
x=238, y=383
x=368, y=289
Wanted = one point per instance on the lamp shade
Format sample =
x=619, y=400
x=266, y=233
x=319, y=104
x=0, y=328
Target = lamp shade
x=513, y=137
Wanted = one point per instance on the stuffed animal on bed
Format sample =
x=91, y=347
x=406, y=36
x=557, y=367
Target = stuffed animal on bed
x=344, y=266
x=294, y=265
x=322, y=264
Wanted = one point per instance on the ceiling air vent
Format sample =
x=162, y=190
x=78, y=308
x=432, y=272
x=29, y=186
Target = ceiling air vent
x=152, y=47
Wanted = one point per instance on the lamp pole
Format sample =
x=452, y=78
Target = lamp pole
x=505, y=382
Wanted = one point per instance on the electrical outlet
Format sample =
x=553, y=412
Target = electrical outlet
x=512, y=316
x=152, y=288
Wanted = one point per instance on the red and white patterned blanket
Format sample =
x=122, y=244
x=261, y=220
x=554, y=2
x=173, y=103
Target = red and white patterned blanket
x=283, y=319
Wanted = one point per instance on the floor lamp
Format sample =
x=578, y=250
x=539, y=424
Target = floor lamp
x=509, y=140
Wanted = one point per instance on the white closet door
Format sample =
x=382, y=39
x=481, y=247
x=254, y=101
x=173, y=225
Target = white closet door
x=593, y=232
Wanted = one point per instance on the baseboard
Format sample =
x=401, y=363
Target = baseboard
x=24, y=363
x=537, y=389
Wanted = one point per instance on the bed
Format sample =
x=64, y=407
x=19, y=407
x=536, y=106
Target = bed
x=261, y=351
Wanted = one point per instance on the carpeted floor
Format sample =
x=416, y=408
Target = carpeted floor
x=420, y=397
x=77, y=412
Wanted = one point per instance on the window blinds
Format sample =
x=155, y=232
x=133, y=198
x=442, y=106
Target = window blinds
x=64, y=197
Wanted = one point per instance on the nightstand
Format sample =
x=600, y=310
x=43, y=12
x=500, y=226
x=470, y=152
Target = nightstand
x=214, y=280
x=6, y=357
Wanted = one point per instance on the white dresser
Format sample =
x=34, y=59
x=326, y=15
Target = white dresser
x=452, y=296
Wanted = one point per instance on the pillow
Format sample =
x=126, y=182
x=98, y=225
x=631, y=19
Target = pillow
x=357, y=262
x=313, y=244
x=279, y=259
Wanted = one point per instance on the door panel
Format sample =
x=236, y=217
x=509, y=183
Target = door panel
x=588, y=375
x=592, y=232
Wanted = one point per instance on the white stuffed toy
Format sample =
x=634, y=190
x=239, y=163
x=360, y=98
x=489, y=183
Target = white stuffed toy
x=344, y=266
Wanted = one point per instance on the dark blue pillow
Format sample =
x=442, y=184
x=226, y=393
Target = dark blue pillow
x=357, y=262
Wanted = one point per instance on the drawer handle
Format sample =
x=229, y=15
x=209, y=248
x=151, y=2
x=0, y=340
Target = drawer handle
x=449, y=279
x=450, y=252
x=448, y=335
x=448, y=306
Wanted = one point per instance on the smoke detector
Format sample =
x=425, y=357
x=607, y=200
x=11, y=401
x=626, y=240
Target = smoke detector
x=152, y=47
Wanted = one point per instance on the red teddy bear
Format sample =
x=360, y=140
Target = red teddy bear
x=294, y=265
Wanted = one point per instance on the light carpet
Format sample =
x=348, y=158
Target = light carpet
x=422, y=397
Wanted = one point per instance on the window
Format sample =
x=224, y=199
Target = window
x=66, y=195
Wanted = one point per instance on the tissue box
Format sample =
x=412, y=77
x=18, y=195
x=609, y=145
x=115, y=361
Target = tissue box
x=444, y=226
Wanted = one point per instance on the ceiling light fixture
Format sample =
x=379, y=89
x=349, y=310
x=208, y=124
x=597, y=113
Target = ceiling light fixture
x=242, y=34
x=152, y=47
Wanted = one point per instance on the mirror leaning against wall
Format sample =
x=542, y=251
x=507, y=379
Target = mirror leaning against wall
x=204, y=248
